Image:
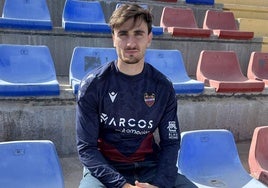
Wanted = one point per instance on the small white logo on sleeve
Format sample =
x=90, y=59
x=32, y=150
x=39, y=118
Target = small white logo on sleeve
x=172, y=130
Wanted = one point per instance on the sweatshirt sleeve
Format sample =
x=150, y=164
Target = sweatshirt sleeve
x=87, y=131
x=169, y=145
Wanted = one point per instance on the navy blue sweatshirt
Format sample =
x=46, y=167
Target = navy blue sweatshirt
x=116, y=116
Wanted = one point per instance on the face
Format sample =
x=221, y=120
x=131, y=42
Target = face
x=131, y=41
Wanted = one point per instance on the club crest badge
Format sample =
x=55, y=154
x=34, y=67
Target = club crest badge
x=149, y=99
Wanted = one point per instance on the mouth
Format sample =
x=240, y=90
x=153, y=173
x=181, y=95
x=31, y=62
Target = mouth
x=131, y=51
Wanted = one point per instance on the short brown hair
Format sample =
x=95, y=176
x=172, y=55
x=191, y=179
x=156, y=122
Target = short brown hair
x=127, y=11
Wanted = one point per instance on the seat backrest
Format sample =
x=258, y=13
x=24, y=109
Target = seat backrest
x=258, y=148
x=30, y=164
x=203, y=2
x=26, y=9
x=169, y=62
x=26, y=64
x=86, y=59
x=258, y=66
x=83, y=11
x=217, y=19
x=214, y=150
x=220, y=65
x=177, y=17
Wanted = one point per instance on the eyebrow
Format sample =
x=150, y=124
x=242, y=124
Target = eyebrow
x=135, y=31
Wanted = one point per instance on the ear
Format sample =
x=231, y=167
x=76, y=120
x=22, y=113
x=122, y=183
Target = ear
x=150, y=38
x=113, y=39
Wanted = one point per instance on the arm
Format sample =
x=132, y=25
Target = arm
x=169, y=143
x=87, y=128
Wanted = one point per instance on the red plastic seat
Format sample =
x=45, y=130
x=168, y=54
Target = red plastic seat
x=224, y=25
x=258, y=66
x=221, y=70
x=258, y=154
x=181, y=22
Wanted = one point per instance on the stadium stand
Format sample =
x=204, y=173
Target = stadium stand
x=209, y=158
x=258, y=67
x=27, y=70
x=258, y=154
x=84, y=60
x=180, y=22
x=157, y=30
x=30, y=164
x=171, y=64
x=84, y=16
x=221, y=70
x=202, y=2
x=54, y=117
x=26, y=14
x=224, y=25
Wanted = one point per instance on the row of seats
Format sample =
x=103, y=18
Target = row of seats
x=88, y=16
x=28, y=70
x=169, y=62
x=209, y=158
x=181, y=22
x=218, y=69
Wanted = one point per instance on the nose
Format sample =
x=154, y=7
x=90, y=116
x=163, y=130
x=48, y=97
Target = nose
x=131, y=42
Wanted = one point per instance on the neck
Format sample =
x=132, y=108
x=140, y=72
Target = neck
x=130, y=69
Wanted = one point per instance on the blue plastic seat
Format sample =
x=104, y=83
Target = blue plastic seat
x=171, y=64
x=26, y=14
x=202, y=2
x=30, y=164
x=209, y=158
x=84, y=16
x=27, y=70
x=84, y=60
x=156, y=30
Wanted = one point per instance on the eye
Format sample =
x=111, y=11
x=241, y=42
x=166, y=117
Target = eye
x=122, y=33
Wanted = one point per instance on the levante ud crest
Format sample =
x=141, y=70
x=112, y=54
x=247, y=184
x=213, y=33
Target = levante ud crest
x=149, y=99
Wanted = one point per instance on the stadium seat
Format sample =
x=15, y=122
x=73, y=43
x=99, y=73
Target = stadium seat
x=26, y=14
x=30, y=164
x=85, y=59
x=180, y=22
x=202, y=2
x=258, y=67
x=157, y=30
x=258, y=154
x=84, y=16
x=171, y=64
x=224, y=25
x=27, y=70
x=221, y=70
x=209, y=158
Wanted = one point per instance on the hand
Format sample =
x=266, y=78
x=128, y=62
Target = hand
x=127, y=185
x=144, y=185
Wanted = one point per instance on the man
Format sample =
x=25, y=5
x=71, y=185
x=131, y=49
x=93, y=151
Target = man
x=119, y=107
